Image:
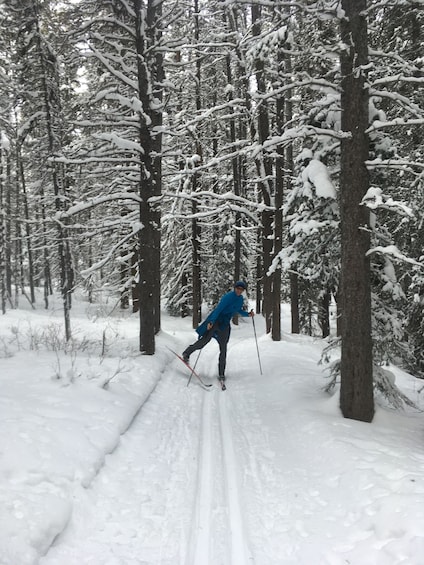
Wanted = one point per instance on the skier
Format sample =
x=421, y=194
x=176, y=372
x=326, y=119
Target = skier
x=217, y=325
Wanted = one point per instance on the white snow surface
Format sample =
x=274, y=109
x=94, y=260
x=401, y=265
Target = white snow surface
x=107, y=457
x=316, y=173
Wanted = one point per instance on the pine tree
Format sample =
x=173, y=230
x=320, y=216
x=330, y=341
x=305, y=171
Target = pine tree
x=356, y=393
x=122, y=45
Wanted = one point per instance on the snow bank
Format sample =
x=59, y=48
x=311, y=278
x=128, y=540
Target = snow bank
x=61, y=414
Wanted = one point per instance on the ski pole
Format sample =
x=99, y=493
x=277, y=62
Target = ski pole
x=194, y=368
x=257, y=348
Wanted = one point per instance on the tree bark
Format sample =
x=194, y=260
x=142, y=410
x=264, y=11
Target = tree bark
x=294, y=303
x=149, y=181
x=154, y=15
x=324, y=314
x=289, y=173
x=265, y=174
x=356, y=394
x=196, y=229
x=196, y=269
x=27, y=226
x=278, y=224
x=3, y=289
x=236, y=171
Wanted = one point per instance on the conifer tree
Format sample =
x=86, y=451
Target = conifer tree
x=38, y=139
x=122, y=46
x=356, y=393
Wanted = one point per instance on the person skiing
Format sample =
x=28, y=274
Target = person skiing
x=217, y=325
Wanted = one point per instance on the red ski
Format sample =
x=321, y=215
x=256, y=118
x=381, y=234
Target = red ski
x=192, y=371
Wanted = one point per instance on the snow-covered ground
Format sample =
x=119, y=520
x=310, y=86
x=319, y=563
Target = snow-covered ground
x=108, y=458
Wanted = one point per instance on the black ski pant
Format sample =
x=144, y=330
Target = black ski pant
x=222, y=337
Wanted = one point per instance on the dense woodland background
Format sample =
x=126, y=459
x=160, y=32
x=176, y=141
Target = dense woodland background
x=163, y=149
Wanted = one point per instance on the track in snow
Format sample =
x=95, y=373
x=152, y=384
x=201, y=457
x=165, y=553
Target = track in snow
x=218, y=513
x=171, y=493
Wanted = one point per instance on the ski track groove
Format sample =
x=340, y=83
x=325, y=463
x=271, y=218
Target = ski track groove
x=152, y=463
x=206, y=526
x=240, y=552
x=200, y=537
x=218, y=498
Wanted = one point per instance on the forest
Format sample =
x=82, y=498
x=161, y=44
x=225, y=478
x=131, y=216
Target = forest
x=161, y=149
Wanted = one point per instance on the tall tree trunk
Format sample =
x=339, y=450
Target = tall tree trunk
x=258, y=274
x=31, y=282
x=294, y=303
x=356, y=394
x=3, y=214
x=278, y=222
x=236, y=170
x=289, y=172
x=196, y=230
x=238, y=130
x=8, y=226
x=196, y=267
x=47, y=275
x=324, y=314
x=154, y=15
x=149, y=182
x=264, y=170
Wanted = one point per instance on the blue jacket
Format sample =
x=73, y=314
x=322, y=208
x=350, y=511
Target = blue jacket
x=229, y=305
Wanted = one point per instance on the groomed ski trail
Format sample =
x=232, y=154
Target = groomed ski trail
x=138, y=509
x=170, y=493
x=240, y=552
x=218, y=513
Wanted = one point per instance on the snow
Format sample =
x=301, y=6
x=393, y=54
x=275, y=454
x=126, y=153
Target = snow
x=4, y=142
x=316, y=173
x=375, y=199
x=392, y=251
x=120, y=142
x=107, y=457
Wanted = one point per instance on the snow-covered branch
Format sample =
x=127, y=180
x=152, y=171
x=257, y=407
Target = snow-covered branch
x=378, y=125
x=94, y=202
x=120, y=142
x=375, y=199
x=111, y=252
x=393, y=252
